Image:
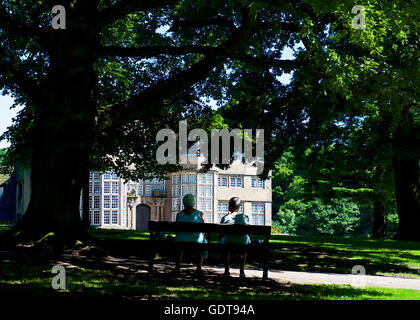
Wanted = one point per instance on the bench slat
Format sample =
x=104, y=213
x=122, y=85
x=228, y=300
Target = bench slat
x=209, y=227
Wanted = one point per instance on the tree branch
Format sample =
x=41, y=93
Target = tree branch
x=153, y=51
x=202, y=23
x=151, y=99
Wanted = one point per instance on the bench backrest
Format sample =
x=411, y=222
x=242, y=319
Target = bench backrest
x=209, y=227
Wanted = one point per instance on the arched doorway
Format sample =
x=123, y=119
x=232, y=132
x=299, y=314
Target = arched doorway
x=142, y=217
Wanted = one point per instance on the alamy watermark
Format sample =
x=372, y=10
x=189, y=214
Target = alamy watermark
x=242, y=146
x=58, y=282
x=358, y=276
x=359, y=20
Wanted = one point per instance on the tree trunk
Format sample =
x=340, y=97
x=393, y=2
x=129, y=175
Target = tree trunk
x=407, y=190
x=379, y=219
x=62, y=140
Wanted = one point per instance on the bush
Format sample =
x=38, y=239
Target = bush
x=338, y=218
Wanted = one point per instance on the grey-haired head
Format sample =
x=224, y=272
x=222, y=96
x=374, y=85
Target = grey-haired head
x=188, y=200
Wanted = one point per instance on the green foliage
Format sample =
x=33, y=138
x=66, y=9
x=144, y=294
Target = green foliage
x=341, y=218
x=2, y=155
x=294, y=213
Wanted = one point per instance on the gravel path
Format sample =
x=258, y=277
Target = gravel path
x=357, y=281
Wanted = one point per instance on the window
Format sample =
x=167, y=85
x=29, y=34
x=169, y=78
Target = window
x=107, y=176
x=114, y=176
x=222, y=210
x=175, y=179
x=106, y=202
x=175, y=191
x=223, y=181
x=106, y=187
x=202, y=191
x=209, y=191
x=257, y=183
x=208, y=204
x=148, y=191
x=96, y=217
x=106, y=217
x=96, y=202
x=90, y=203
x=141, y=181
x=175, y=204
x=174, y=216
x=140, y=191
x=184, y=178
x=205, y=204
x=191, y=189
x=96, y=176
x=90, y=187
x=205, y=193
x=202, y=178
x=258, y=213
x=223, y=207
x=235, y=182
x=202, y=204
x=207, y=217
x=193, y=178
x=184, y=190
x=115, y=187
x=97, y=187
x=114, y=217
x=209, y=178
x=115, y=202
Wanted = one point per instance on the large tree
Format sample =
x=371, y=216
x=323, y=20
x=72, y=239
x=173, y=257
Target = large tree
x=96, y=92
x=354, y=105
x=368, y=140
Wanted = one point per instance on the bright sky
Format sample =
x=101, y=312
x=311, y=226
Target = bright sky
x=6, y=116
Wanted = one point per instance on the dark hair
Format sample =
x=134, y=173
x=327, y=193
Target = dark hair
x=234, y=204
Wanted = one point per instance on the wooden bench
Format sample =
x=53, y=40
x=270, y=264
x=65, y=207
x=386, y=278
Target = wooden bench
x=156, y=227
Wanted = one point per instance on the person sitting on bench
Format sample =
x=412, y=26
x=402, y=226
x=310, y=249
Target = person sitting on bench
x=234, y=217
x=189, y=214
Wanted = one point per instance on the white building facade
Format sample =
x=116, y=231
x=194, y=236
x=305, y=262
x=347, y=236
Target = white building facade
x=118, y=204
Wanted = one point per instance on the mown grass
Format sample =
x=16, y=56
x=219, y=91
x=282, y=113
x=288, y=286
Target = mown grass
x=318, y=254
x=324, y=254
x=119, y=234
x=33, y=281
x=339, y=255
x=5, y=227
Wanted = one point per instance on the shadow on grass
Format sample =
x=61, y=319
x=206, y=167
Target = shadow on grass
x=28, y=277
x=303, y=257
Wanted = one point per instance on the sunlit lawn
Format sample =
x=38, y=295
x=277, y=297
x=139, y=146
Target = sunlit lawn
x=324, y=254
x=25, y=281
x=316, y=254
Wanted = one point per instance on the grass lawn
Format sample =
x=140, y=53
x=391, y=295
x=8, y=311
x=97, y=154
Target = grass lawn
x=317, y=254
x=33, y=281
x=324, y=254
x=339, y=255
